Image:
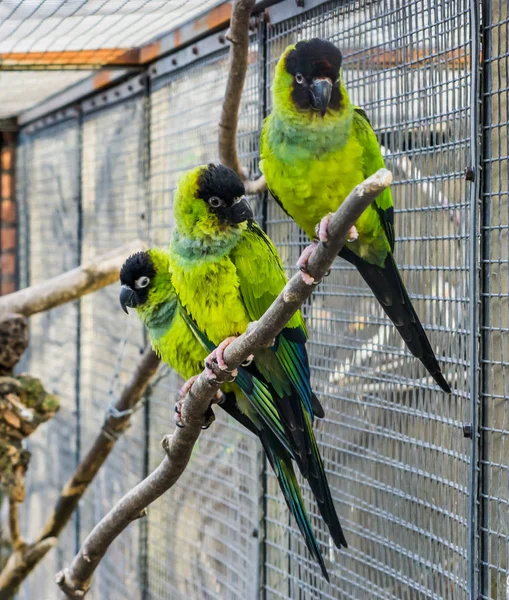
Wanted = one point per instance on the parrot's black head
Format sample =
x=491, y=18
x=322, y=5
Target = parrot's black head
x=136, y=276
x=223, y=191
x=315, y=66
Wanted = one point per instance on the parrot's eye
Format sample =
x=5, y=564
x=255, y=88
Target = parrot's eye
x=215, y=202
x=141, y=282
x=299, y=79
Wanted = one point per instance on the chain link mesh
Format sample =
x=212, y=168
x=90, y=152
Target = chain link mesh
x=393, y=446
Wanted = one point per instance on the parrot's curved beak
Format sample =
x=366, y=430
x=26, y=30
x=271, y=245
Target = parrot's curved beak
x=241, y=211
x=321, y=90
x=127, y=298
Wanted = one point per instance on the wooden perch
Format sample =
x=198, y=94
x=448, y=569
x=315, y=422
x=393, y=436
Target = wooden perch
x=237, y=68
x=71, y=285
x=75, y=581
x=27, y=556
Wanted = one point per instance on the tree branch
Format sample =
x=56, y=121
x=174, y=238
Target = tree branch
x=71, y=285
x=20, y=564
x=75, y=581
x=237, y=68
x=16, y=541
x=26, y=557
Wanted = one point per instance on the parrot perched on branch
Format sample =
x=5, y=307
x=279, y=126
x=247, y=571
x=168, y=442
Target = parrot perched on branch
x=226, y=274
x=147, y=287
x=315, y=148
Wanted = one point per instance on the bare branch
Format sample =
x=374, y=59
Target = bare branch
x=237, y=68
x=71, y=285
x=76, y=580
x=116, y=422
x=20, y=564
x=16, y=541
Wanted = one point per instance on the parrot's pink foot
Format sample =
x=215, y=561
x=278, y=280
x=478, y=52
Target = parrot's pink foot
x=218, y=356
x=187, y=386
x=321, y=229
x=353, y=234
x=302, y=263
x=323, y=234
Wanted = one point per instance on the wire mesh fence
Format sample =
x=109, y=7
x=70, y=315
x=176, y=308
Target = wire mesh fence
x=397, y=452
x=494, y=456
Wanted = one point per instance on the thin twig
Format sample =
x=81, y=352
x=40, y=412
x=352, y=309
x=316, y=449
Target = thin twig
x=16, y=541
x=70, y=285
x=116, y=422
x=75, y=581
x=20, y=564
x=237, y=68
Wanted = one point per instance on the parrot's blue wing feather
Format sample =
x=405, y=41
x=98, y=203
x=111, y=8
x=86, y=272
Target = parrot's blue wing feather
x=260, y=283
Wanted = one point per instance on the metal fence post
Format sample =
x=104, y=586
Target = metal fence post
x=79, y=248
x=474, y=299
x=263, y=91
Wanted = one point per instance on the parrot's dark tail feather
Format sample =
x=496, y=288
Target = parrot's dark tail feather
x=317, y=407
x=282, y=466
x=319, y=485
x=389, y=290
x=281, y=463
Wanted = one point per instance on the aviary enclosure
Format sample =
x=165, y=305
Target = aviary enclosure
x=420, y=480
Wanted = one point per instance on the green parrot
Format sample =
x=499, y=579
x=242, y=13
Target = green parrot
x=227, y=273
x=147, y=287
x=315, y=148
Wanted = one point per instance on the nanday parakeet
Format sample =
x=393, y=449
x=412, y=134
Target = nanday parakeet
x=315, y=148
x=147, y=287
x=226, y=273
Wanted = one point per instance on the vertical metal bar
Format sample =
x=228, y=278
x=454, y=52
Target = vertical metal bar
x=144, y=529
x=79, y=251
x=483, y=556
x=262, y=68
x=474, y=287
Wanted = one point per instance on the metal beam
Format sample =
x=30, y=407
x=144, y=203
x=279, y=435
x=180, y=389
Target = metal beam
x=82, y=59
x=73, y=94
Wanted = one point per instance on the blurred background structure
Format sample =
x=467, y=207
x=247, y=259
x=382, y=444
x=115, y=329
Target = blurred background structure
x=103, y=105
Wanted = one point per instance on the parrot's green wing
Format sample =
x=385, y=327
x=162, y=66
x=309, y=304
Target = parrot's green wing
x=264, y=152
x=372, y=160
x=255, y=389
x=384, y=279
x=261, y=278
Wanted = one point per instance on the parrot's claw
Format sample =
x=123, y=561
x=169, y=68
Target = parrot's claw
x=321, y=229
x=248, y=361
x=323, y=235
x=178, y=414
x=217, y=356
x=303, y=262
x=209, y=418
x=209, y=372
x=353, y=234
